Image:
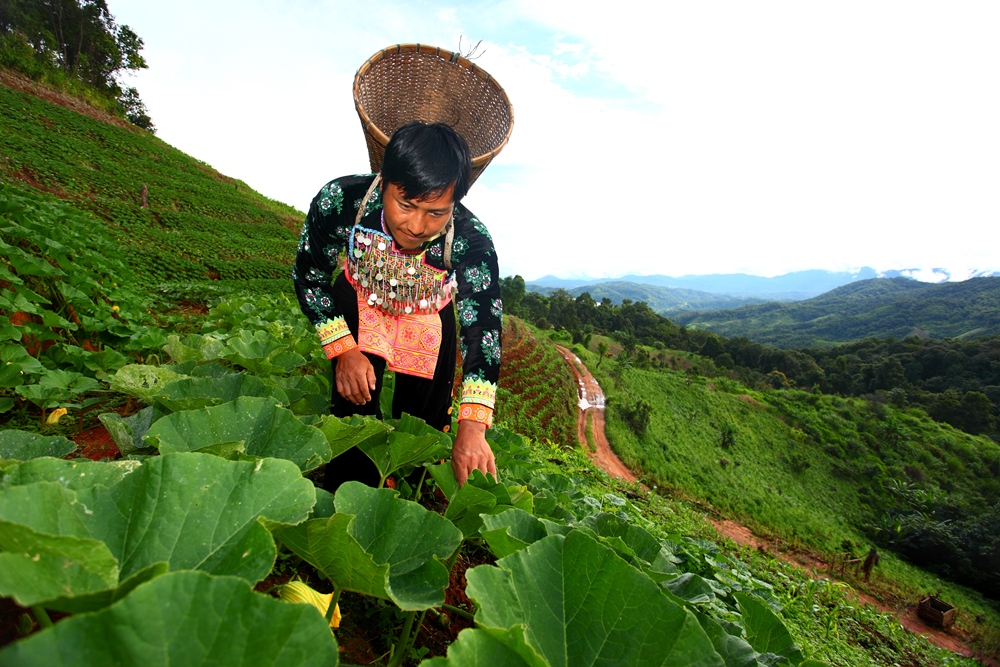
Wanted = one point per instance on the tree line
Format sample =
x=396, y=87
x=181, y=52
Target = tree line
x=954, y=381
x=71, y=42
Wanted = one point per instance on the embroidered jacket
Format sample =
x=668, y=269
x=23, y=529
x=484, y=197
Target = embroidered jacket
x=326, y=237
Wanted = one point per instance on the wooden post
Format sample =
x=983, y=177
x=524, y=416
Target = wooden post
x=145, y=196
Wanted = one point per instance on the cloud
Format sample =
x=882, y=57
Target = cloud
x=699, y=137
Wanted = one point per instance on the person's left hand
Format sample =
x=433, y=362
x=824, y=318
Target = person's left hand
x=471, y=451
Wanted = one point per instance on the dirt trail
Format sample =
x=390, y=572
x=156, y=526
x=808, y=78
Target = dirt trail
x=592, y=411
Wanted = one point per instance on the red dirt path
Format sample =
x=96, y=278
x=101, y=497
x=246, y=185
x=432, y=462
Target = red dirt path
x=592, y=410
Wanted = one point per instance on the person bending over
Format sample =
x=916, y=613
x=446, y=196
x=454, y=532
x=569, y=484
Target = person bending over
x=411, y=255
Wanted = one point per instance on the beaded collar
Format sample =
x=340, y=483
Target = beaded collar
x=394, y=281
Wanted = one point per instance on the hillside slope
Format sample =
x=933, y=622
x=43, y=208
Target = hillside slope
x=880, y=308
x=199, y=224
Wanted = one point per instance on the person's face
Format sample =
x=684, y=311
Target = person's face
x=412, y=222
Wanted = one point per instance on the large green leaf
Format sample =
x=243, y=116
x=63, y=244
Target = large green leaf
x=342, y=434
x=194, y=393
x=581, y=604
x=259, y=352
x=267, y=430
x=511, y=531
x=189, y=511
x=76, y=474
x=184, y=618
x=488, y=647
x=17, y=355
x=24, y=445
x=637, y=545
x=480, y=495
x=379, y=545
x=734, y=651
x=410, y=443
x=194, y=348
x=142, y=381
x=765, y=631
x=127, y=432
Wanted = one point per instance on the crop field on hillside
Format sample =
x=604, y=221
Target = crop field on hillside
x=199, y=225
x=538, y=393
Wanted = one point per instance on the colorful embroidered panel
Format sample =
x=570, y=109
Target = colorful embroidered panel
x=409, y=342
x=331, y=330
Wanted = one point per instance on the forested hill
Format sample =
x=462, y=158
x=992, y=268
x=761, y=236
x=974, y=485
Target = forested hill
x=199, y=225
x=663, y=300
x=876, y=308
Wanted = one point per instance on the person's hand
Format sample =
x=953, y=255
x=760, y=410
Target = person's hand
x=471, y=451
x=355, y=377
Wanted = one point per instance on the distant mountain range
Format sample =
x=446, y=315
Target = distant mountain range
x=793, y=286
x=879, y=307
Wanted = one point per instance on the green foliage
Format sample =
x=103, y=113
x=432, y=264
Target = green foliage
x=63, y=41
x=144, y=629
x=199, y=227
x=396, y=557
x=579, y=604
x=73, y=549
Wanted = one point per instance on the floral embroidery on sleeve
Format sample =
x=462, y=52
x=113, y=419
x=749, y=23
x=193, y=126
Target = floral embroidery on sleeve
x=330, y=197
x=491, y=347
x=478, y=277
x=467, y=312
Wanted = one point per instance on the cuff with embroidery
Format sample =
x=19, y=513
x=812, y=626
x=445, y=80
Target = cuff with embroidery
x=335, y=337
x=339, y=346
x=477, y=413
x=482, y=392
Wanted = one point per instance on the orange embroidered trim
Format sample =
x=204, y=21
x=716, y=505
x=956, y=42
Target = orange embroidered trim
x=479, y=391
x=477, y=413
x=339, y=346
x=331, y=330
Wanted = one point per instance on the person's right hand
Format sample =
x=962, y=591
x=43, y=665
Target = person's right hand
x=355, y=377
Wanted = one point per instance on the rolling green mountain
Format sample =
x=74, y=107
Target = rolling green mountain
x=876, y=308
x=664, y=300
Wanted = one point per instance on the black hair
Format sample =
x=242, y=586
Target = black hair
x=423, y=159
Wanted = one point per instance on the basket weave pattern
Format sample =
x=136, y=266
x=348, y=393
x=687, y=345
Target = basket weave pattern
x=411, y=82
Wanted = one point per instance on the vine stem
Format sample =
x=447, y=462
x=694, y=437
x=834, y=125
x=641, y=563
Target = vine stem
x=41, y=616
x=411, y=640
x=333, y=604
x=404, y=639
x=458, y=611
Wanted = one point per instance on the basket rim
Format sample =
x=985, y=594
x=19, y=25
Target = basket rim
x=369, y=125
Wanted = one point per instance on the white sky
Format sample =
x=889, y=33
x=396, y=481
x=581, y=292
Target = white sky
x=650, y=137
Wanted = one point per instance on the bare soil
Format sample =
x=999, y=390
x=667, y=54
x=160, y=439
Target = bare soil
x=592, y=410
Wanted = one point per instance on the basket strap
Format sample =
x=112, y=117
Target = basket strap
x=448, y=239
x=368, y=195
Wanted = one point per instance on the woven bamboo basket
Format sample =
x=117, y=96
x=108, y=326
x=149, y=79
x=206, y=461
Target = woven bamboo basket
x=410, y=82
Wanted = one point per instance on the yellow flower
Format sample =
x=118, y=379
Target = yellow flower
x=54, y=416
x=296, y=591
x=115, y=308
